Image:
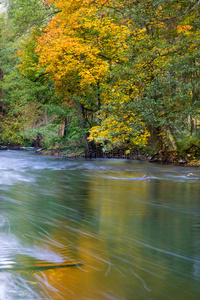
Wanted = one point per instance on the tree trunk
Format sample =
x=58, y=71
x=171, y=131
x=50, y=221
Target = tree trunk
x=63, y=127
x=173, y=139
x=160, y=143
x=83, y=125
x=2, y=95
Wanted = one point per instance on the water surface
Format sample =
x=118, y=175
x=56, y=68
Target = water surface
x=78, y=229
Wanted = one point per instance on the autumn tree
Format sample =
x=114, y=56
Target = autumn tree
x=78, y=49
x=160, y=76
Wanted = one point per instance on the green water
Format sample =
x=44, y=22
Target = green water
x=77, y=229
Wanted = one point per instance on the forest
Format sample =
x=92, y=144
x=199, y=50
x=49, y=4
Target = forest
x=101, y=77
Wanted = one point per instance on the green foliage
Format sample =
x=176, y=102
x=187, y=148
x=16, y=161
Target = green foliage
x=26, y=15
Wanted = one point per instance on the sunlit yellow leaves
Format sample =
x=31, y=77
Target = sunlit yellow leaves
x=79, y=44
x=120, y=130
x=185, y=29
x=119, y=126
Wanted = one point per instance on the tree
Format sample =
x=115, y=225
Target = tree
x=160, y=77
x=125, y=71
x=26, y=94
x=78, y=48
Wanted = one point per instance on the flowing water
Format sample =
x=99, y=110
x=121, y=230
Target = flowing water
x=78, y=229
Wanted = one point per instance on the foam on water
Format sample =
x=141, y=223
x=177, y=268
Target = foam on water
x=11, y=247
x=14, y=286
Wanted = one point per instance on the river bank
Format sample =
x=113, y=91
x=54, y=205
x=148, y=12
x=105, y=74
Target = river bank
x=132, y=155
x=170, y=158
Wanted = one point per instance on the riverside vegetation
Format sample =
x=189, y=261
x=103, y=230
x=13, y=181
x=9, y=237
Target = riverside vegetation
x=101, y=76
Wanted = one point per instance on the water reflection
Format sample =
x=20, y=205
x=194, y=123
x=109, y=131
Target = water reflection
x=97, y=229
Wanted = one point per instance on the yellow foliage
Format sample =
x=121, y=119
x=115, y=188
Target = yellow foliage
x=184, y=29
x=119, y=125
x=78, y=45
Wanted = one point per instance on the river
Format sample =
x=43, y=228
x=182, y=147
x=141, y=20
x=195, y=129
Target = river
x=96, y=229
